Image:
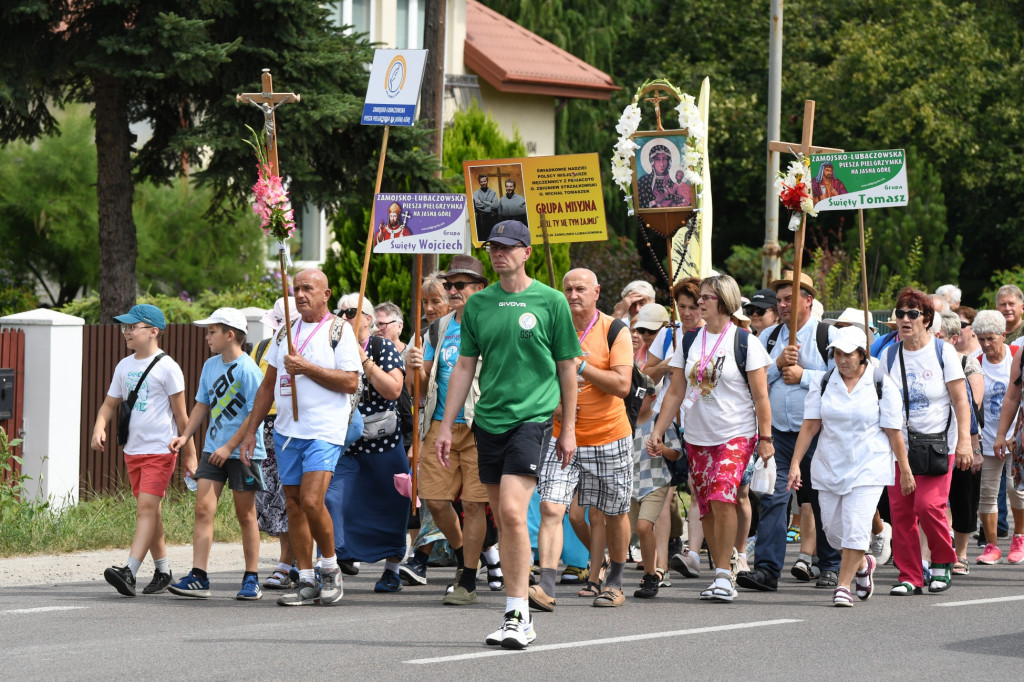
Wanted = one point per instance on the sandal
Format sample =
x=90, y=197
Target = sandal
x=842, y=597
x=792, y=534
x=662, y=582
x=862, y=581
x=722, y=594
x=961, y=567
x=591, y=589
x=941, y=578
x=904, y=589
x=278, y=580
x=610, y=597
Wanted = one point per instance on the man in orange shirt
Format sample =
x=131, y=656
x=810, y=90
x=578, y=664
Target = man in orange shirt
x=602, y=469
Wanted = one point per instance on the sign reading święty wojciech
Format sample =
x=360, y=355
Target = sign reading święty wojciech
x=854, y=180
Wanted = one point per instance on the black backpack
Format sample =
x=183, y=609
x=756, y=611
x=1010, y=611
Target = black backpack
x=637, y=391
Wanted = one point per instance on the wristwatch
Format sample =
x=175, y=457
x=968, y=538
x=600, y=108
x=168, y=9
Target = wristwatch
x=766, y=439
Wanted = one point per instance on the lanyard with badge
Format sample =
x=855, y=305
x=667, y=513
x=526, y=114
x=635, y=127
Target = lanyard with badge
x=705, y=359
x=286, y=379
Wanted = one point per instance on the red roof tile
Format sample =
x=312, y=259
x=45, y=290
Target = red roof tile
x=513, y=59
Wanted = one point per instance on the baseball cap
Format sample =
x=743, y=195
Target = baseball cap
x=231, y=317
x=510, y=233
x=652, y=316
x=763, y=299
x=849, y=339
x=146, y=313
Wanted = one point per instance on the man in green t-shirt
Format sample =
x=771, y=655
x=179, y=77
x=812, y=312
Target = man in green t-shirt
x=523, y=330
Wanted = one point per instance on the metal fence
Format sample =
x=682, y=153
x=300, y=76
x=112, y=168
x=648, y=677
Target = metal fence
x=103, y=347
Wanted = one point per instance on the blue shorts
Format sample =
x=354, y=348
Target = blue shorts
x=303, y=455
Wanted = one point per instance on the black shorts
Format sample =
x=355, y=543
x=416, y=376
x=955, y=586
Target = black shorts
x=517, y=452
x=239, y=477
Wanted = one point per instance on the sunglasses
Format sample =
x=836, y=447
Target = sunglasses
x=909, y=314
x=646, y=332
x=349, y=313
x=458, y=286
x=964, y=325
x=754, y=311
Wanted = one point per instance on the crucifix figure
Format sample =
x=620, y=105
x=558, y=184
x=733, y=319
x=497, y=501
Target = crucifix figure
x=805, y=148
x=268, y=101
x=656, y=99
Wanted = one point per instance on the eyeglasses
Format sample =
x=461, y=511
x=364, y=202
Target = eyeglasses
x=964, y=325
x=384, y=325
x=458, y=286
x=349, y=313
x=646, y=332
x=495, y=247
x=707, y=297
x=130, y=328
x=912, y=314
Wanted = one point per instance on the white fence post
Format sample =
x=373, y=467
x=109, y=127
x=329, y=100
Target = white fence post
x=53, y=403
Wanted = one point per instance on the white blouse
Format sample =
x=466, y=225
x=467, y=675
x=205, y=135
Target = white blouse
x=852, y=449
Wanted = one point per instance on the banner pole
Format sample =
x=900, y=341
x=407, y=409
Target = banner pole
x=416, y=382
x=369, y=233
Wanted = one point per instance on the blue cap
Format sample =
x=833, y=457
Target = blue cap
x=510, y=233
x=144, y=312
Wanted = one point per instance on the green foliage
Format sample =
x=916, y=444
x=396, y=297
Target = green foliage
x=616, y=263
x=1014, y=275
x=14, y=502
x=182, y=247
x=16, y=291
x=744, y=264
x=475, y=135
x=48, y=207
x=389, y=277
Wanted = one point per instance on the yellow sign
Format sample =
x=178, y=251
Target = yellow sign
x=565, y=189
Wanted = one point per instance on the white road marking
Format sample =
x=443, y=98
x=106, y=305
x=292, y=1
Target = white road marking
x=972, y=602
x=42, y=609
x=610, y=640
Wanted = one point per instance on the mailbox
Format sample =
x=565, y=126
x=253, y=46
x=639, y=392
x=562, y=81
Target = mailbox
x=6, y=393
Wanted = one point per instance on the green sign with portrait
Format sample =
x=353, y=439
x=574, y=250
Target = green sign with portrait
x=853, y=180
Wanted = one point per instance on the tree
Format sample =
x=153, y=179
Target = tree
x=178, y=66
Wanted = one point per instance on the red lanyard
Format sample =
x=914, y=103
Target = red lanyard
x=589, y=326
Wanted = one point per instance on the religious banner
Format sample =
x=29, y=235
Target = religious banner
x=394, y=87
x=566, y=189
x=420, y=223
x=854, y=180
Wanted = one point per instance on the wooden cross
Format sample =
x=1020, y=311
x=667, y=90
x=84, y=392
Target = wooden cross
x=267, y=101
x=805, y=148
x=656, y=101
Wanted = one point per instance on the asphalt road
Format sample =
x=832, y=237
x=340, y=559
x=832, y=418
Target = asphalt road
x=86, y=631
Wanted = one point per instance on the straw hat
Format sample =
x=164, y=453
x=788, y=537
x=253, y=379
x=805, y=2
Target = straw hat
x=806, y=282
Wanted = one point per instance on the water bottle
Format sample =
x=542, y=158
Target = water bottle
x=190, y=483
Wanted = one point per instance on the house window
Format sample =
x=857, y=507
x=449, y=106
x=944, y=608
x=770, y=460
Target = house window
x=409, y=23
x=355, y=13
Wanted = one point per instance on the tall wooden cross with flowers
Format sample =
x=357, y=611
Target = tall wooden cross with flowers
x=270, y=198
x=794, y=193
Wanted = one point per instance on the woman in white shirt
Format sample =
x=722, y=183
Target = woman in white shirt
x=860, y=431
x=724, y=410
x=934, y=402
x=996, y=363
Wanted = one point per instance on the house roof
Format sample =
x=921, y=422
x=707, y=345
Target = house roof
x=513, y=59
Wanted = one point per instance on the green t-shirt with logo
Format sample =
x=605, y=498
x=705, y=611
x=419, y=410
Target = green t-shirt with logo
x=519, y=338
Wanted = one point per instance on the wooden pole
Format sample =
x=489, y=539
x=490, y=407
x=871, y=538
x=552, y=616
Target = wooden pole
x=864, y=278
x=369, y=233
x=416, y=382
x=798, y=240
x=547, y=250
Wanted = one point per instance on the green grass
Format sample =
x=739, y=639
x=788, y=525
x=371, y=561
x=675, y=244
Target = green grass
x=104, y=522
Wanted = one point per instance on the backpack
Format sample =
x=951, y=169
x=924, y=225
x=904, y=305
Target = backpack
x=884, y=342
x=261, y=349
x=820, y=338
x=739, y=349
x=635, y=399
x=893, y=350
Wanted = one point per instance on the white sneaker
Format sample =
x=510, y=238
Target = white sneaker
x=880, y=546
x=332, y=588
x=518, y=633
x=494, y=639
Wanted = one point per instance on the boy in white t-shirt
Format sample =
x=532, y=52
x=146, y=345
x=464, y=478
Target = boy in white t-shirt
x=157, y=416
x=227, y=390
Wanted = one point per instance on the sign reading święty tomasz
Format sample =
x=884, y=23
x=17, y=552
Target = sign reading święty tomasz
x=854, y=180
